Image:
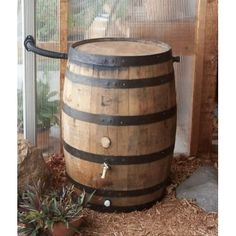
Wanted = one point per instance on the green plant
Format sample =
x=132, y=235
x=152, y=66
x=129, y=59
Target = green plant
x=122, y=9
x=38, y=212
x=46, y=107
x=46, y=20
x=83, y=14
x=19, y=110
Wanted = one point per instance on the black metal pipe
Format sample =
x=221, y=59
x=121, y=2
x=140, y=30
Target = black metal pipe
x=30, y=46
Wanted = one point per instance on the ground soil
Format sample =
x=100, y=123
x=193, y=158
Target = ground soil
x=171, y=216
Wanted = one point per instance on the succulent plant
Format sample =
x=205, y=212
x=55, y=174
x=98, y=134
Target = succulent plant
x=38, y=212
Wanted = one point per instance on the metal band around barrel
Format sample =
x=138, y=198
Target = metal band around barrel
x=102, y=119
x=99, y=61
x=118, y=160
x=118, y=83
x=112, y=208
x=78, y=57
x=118, y=193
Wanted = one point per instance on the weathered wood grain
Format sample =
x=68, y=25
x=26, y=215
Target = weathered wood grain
x=208, y=100
x=63, y=48
x=125, y=141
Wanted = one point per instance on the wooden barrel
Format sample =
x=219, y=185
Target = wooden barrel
x=119, y=121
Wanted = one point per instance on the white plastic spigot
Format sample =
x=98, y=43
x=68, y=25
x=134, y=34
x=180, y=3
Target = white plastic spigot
x=104, y=170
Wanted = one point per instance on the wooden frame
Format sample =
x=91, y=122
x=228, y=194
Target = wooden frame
x=204, y=78
x=198, y=75
x=209, y=79
x=63, y=48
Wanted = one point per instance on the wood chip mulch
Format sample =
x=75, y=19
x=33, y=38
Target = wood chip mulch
x=56, y=165
x=169, y=217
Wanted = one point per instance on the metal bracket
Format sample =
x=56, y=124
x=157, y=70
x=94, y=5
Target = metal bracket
x=176, y=59
x=30, y=46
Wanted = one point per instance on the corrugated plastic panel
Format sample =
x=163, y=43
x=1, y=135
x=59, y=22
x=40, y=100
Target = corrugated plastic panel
x=20, y=122
x=48, y=76
x=170, y=21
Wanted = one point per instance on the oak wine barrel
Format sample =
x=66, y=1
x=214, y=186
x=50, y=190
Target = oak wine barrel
x=119, y=121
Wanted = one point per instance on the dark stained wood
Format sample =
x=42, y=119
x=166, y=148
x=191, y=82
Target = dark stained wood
x=198, y=75
x=63, y=48
x=204, y=78
x=209, y=79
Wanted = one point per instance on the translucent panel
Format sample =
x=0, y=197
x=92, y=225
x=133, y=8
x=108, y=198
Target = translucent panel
x=48, y=77
x=102, y=18
x=184, y=88
x=169, y=10
x=82, y=15
x=170, y=21
x=19, y=69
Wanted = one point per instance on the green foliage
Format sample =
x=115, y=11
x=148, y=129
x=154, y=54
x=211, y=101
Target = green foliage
x=122, y=9
x=46, y=20
x=47, y=65
x=85, y=14
x=47, y=108
x=19, y=110
x=38, y=211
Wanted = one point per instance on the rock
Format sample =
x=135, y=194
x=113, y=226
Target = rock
x=31, y=165
x=201, y=186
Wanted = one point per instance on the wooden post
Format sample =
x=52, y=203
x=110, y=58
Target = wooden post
x=209, y=79
x=198, y=75
x=63, y=48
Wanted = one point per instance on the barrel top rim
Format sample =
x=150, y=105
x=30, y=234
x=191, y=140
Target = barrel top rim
x=154, y=47
x=110, y=60
x=158, y=46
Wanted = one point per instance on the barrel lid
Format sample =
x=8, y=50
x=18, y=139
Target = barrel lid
x=122, y=48
x=119, y=52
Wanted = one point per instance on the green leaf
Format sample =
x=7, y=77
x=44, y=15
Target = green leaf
x=52, y=94
x=89, y=198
